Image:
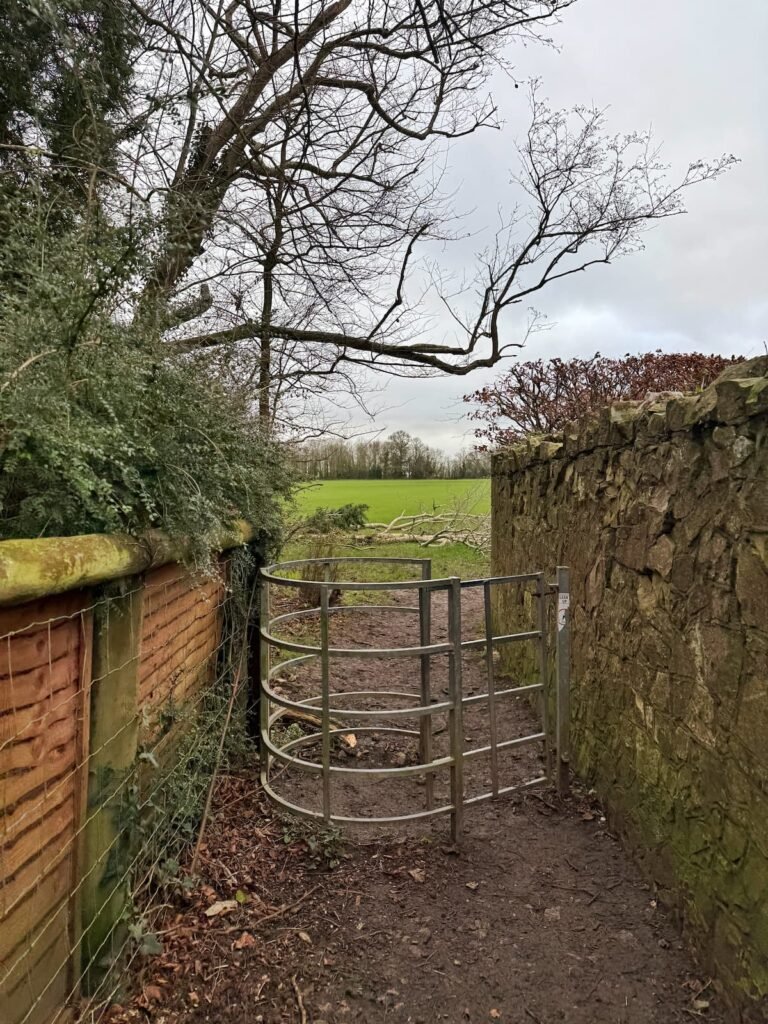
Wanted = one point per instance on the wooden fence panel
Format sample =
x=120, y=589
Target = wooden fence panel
x=181, y=630
x=44, y=701
x=60, y=658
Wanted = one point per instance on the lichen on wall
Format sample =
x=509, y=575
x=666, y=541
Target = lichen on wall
x=661, y=510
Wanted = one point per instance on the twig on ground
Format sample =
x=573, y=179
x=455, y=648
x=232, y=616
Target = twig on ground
x=299, y=1000
x=291, y=906
x=537, y=796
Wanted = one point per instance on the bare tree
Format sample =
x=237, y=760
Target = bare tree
x=288, y=149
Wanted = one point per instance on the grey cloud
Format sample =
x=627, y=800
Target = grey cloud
x=695, y=72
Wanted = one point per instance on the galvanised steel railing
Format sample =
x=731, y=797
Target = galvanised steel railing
x=286, y=752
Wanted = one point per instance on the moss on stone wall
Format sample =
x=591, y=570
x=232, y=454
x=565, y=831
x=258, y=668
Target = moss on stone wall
x=661, y=511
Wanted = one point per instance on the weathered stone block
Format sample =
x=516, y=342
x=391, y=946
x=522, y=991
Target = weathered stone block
x=632, y=545
x=738, y=400
x=752, y=584
x=718, y=653
x=661, y=556
x=734, y=840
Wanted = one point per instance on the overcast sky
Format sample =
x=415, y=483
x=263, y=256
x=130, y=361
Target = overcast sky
x=695, y=72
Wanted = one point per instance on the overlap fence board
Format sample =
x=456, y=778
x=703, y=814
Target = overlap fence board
x=43, y=708
x=112, y=697
x=181, y=630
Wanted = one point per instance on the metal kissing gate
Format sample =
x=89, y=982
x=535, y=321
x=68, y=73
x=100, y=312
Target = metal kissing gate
x=332, y=719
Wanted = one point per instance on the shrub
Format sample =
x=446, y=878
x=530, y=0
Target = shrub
x=541, y=397
x=101, y=429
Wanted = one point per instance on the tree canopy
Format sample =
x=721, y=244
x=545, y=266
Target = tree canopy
x=212, y=216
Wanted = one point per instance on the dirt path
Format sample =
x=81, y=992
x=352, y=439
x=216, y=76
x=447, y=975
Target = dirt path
x=539, y=919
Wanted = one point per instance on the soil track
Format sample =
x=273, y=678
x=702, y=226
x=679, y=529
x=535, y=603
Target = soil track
x=539, y=919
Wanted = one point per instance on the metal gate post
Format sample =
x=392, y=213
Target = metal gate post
x=491, y=688
x=456, y=726
x=425, y=633
x=326, y=701
x=563, y=678
x=542, y=593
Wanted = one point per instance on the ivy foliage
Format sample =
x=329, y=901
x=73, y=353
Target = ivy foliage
x=66, y=74
x=101, y=430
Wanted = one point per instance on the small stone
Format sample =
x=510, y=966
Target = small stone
x=552, y=913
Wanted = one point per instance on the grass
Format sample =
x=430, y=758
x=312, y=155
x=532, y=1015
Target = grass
x=451, y=560
x=389, y=498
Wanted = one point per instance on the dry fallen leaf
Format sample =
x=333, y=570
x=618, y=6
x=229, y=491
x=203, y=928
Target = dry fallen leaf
x=495, y=1014
x=418, y=874
x=150, y=994
x=701, y=1004
x=245, y=941
x=473, y=886
x=305, y=938
x=221, y=907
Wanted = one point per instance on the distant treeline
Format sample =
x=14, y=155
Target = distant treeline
x=397, y=457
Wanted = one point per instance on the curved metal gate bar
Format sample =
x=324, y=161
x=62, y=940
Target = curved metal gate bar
x=409, y=705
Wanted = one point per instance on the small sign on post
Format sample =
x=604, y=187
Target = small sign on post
x=563, y=604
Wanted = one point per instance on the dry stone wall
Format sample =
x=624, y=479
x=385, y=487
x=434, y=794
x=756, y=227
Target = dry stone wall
x=661, y=511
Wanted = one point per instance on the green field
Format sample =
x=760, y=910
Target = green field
x=389, y=498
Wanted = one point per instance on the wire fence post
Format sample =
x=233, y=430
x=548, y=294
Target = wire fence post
x=79, y=867
x=113, y=751
x=251, y=691
x=264, y=667
x=425, y=725
x=563, y=679
x=455, y=715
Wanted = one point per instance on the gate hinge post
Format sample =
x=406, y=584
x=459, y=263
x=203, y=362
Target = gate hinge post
x=563, y=702
x=456, y=713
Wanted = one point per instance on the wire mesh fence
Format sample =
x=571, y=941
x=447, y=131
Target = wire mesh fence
x=113, y=709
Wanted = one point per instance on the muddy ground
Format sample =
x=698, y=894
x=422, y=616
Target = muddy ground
x=538, y=918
